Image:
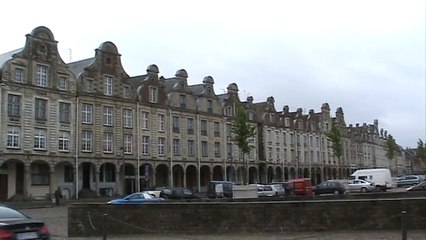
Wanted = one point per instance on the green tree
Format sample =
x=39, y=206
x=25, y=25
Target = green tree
x=392, y=148
x=242, y=131
x=337, y=146
x=421, y=150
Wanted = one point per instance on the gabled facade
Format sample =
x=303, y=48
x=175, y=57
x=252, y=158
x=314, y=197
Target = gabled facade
x=91, y=129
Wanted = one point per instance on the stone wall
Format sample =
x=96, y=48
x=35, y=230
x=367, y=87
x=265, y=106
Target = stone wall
x=234, y=217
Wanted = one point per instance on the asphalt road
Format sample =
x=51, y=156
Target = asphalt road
x=56, y=219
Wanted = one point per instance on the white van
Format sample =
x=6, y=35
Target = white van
x=381, y=177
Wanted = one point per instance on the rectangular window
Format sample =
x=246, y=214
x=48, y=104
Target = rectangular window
x=86, y=141
x=191, y=148
x=88, y=85
x=204, y=127
x=63, y=83
x=40, y=109
x=19, y=75
x=161, y=122
x=228, y=111
x=209, y=106
x=190, y=125
x=126, y=92
x=216, y=127
x=145, y=120
x=285, y=139
x=127, y=118
x=229, y=149
x=183, y=101
x=87, y=110
x=108, y=140
x=13, y=136
x=145, y=145
x=176, y=124
x=176, y=147
x=41, y=77
x=153, y=94
x=40, y=174
x=269, y=153
x=14, y=105
x=128, y=143
x=64, y=141
x=228, y=130
x=161, y=146
x=204, y=149
x=108, y=116
x=108, y=85
x=217, y=149
x=64, y=112
x=40, y=139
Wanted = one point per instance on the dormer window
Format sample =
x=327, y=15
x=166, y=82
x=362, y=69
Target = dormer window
x=126, y=92
x=153, y=93
x=42, y=76
x=209, y=106
x=251, y=115
x=183, y=101
x=228, y=111
x=63, y=83
x=108, y=85
x=88, y=85
x=287, y=122
x=19, y=75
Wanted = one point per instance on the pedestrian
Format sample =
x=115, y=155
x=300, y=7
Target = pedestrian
x=58, y=196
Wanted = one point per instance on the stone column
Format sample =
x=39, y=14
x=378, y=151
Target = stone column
x=184, y=178
x=26, y=180
x=97, y=173
x=117, y=182
x=51, y=182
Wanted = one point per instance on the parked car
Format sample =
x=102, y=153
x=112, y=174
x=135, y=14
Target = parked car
x=220, y=189
x=330, y=187
x=136, y=198
x=359, y=185
x=178, y=193
x=270, y=190
x=381, y=177
x=16, y=225
x=409, y=180
x=419, y=187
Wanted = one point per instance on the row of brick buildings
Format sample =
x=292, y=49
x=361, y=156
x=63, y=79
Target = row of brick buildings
x=89, y=127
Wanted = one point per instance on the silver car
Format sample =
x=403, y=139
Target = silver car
x=359, y=185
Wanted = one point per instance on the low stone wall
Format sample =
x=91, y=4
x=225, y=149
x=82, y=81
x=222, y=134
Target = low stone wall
x=86, y=220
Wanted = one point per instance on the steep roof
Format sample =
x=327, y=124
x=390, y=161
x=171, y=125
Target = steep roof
x=7, y=56
x=78, y=66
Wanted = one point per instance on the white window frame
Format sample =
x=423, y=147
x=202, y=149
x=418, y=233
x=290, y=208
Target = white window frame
x=127, y=117
x=145, y=145
x=40, y=108
x=108, y=142
x=161, y=119
x=161, y=146
x=145, y=120
x=42, y=75
x=108, y=115
x=86, y=141
x=153, y=94
x=13, y=137
x=64, y=141
x=108, y=83
x=40, y=139
x=19, y=75
x=87, y=113
x=128, y=143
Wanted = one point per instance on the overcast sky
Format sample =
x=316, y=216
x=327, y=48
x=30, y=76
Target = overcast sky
x=367, y=57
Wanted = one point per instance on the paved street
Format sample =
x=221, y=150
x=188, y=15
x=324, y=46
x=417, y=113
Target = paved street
x=56, y=219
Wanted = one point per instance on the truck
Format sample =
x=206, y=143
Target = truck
x=381, y=177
